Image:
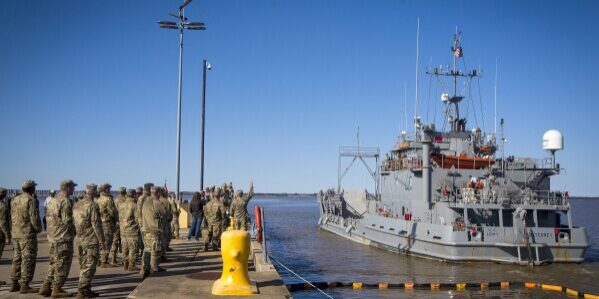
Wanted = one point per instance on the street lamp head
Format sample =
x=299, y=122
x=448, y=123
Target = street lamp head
x=208, y=65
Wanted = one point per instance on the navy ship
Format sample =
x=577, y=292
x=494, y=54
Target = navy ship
x=452, y=194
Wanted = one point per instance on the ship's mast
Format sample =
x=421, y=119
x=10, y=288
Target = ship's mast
x=457, y=124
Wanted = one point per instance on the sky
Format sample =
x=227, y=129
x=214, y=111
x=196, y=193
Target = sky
x=88, y=89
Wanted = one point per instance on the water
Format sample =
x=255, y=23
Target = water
x=296, y=241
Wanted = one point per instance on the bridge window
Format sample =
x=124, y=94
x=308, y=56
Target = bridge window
x=508, y=218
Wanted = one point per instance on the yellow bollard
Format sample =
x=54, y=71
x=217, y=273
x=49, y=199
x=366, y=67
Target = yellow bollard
x=235, y=280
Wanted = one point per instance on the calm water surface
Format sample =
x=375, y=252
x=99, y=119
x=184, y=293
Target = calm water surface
x=296, y=241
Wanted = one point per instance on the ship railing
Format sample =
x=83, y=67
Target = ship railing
x=491, y=196
x=521, y=163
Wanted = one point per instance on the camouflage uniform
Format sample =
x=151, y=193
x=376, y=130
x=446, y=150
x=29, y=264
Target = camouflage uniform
x=61, y=232
x=4, y=221
x=140, y=202
x=129, y=231
x=4, y=227
x=239, y=209
x=109, y=216
x=116, y=242
x=166, y=216
x=26, y=224
x=176, y=209
x=90, y=236
x=213, y=216
x=226, y=199
x=152, y=230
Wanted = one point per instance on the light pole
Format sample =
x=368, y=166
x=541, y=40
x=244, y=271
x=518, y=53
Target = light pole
x=180, y=25
x=205, y=65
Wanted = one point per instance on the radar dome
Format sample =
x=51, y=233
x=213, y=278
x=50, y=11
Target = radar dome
x=553, y=140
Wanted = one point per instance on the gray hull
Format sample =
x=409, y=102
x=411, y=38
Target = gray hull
x=441, y=243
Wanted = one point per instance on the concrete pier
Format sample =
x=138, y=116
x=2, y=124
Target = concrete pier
x=186, y=276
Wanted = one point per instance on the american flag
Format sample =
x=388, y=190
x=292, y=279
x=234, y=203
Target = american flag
x=457, y=51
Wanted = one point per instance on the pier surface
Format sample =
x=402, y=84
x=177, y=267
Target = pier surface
x=186, y=276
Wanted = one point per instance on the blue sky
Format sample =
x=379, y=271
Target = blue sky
x=88, y=89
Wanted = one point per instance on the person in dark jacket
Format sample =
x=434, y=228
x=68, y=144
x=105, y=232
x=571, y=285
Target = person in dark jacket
x=196, y=208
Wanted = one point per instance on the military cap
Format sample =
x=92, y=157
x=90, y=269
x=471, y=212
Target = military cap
x=91, y=188
x=148, y=186
x=139, y=189
x=131, y=192
x=239, y=193
x=2, y=190
x=28, y=184
x=122, y=189
x=67, y=183
x=106, y=186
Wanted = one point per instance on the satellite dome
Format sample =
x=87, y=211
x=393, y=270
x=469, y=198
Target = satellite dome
x=553, y=140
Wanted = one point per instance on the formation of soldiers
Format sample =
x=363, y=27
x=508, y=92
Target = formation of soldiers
x=221, y=206
x=137, y=223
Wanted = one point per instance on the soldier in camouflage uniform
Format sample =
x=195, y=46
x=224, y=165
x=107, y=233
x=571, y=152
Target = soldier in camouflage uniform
x=239, y=209
x=4, y=227
x=213, y=217
x=116, y=242
x=90, y=239
x=109, y=216
x=129, y=230
x=152, y=229
x=61, y=232
x=140, y=202
x=26, y=224
x=166, y=219
x=226, y=199
x=176, y=209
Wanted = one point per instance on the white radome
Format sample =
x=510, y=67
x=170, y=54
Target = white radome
x=553, y=140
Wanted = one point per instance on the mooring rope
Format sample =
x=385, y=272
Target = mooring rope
x=291, y=271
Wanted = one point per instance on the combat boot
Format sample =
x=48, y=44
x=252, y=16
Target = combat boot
x=58, y=292
x=125, y=265
x=25, y=289
x=15, y=287
x=205, y=247
x=92, y=293
x=169, y=249
x=82, y=295
x=45, y=291
x=145, y=274
x=2, y=282
x=113, y=261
